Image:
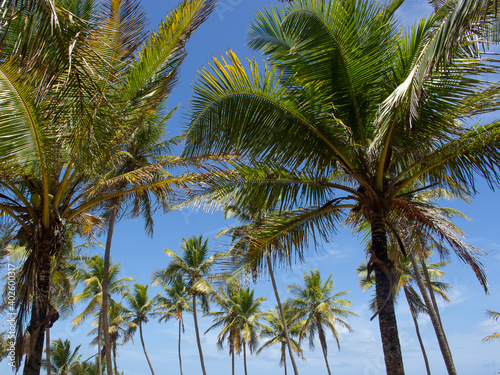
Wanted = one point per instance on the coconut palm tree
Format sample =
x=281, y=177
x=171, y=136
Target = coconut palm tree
x=140, y=309
x=64, y=360
x=319, y=310
x=92, y=277
x=405, y=282
x=174, y=305
x=495, y=316
x=226, y=301
x=120, y=327
x=274, y=331
x=349, y=117
x=77, y=79
x=196, y=269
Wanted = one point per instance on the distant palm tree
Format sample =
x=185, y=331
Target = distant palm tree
x=275, y=332
x=140, y=309
x=63, y=360
x=318, y=309
x=246, y=320
x=195, y=267
x=92, y=277
x=406, y=278
x=174, y=305
x=495, y=316
x=226, y=301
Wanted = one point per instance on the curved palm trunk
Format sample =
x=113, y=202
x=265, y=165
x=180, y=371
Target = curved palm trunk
x=245, y=358
x=322, y=340
x=144, y=348
x=47, y=350
x=384, y=271
x=43, y=315
x=202, y=362
x=105, y=281
x=441, y=337
x=417, y=329
x=431, y=292
x=179, y=345
x=282, y=316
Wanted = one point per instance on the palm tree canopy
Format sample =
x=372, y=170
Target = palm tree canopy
x=175, y=303
x=63, y=358
x=140, y=307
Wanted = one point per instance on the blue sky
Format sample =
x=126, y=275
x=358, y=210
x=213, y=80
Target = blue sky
x=464, y=319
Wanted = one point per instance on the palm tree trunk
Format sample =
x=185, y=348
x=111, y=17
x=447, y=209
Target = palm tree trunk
x=144, y=348
x=431, y=292
x=114, y=358
x=283, y=355
x=99, y=328
x=282, y=316
x=41, y=307
x=441, y=337
x=384, y=273
x=322, y=340
x=105, y=281
x=198, y=336
x=245, y=358
x=47, y=350
x=414, y=317
x=179, y=346
x=232, y=361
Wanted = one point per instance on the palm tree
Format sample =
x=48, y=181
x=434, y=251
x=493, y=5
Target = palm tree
x=120, y=326
x=241, y=321
x=195, y=268
x=495, y=316
x=92, y=277
x=64, y=360
x=76, y=83
x=350, y=117
x=275, y=332
x=318, y=309
x=175, y=304
x=140, y=309
x=406, y=277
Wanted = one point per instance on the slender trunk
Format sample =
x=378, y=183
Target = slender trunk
x=105, y=281
x=99, y=328
x=322, y=341
x=43, y=314
x=179, y=346
x=414, y=317
x=232, y=361
x=441, y=337
x=144, y=348
x=431, y=292
x=47, y=350
x=283, y=355
x=245, y=357
x=282, y=316
x=114, y=358
x=384, y=273
x=198, y=336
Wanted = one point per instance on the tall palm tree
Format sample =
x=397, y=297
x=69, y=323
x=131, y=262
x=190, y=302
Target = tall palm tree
x=406, y=279
x=140, y=309
x=64, y=360
x=241, y=321
x=495, y=316
x=120, y=327
x=242, y=246
x=77, y=79
x=274, y=331
x=319, y=310
x=350, y=117
x=175, y=304
x=196, y=268
x=92, y=277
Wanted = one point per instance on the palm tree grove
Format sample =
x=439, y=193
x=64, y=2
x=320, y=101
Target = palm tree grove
x=249, y=187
